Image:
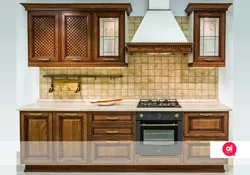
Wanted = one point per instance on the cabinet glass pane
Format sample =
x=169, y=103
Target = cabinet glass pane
x=209, y=36
x=109, y=36
x=158, y=137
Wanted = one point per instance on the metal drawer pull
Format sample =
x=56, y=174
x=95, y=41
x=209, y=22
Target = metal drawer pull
x=112, y=141
x=71, y=114
x=209, y=59
x=159, y=124
x=112, y=118
x=43, y=59
x=204, y=141
x=76, y=59
x=206, y=114
x=36, y=114
x=112, y=132
x=108, y=59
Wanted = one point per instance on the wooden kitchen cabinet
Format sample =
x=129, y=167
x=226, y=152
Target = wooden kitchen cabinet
x=77, y=35
x=71, y=138
x=198, y=152
x=43, y=37
x=207, y=29
x=36, y=138
x=206, y=125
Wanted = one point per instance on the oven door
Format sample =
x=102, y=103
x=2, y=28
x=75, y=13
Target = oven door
x=158, y=138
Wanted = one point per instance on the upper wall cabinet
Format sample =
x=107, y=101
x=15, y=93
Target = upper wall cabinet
x=207, y=29
x=77, y=35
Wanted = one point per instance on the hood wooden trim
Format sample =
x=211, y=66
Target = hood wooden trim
x=160, y=47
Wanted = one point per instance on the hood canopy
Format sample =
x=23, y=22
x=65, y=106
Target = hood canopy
x=159, y=32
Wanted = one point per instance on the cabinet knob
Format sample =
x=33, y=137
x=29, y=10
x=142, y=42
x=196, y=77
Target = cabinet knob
x=141, y=115
x=176, y=115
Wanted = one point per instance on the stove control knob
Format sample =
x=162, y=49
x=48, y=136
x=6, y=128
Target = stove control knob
x=141, y=115
x=176, y=115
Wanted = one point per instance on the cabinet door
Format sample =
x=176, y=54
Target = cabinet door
x=109, y=37
x=198, y=152
x=112, y=152
x=43, y=36
x=206, y=124
x=36, y=138
x=76, y=36
x=71, y=137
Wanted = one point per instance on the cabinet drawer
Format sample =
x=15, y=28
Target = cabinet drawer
x=112, y=137
x=111, y=117
x=205, y=124
x=198, y=152
x=112, y=131
x=158, y=160
x=112, y=152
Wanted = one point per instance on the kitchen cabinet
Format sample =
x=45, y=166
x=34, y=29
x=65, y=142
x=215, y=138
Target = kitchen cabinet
x=71, y=138
x=206, y=125
x=207, y=29
x=159, y=160
x=36, y=138
x=198, y=152
x=77, y=35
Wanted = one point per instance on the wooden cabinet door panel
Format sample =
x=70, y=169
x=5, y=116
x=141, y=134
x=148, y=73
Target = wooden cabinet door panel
x=198, y=152
x=36, y=138
x=71, y=137
x=112, y=152
x=43, y=36
x=206, y=124
x=76, y=36
x=158, y=160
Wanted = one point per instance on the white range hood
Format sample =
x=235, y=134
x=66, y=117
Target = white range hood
x=159, y=31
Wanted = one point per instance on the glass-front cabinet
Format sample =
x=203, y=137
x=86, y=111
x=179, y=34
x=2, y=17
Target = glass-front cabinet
x=109, y=37
x=207, y=30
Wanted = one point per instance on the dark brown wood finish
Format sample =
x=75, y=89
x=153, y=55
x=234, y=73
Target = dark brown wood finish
x=208, y=10
x=36, y=138
x=206, y=124
x=70, y=138
x=62, y=35
x=97, y=57
x=76, y=36
x=127, y=168
x=159, y=47
x=43, y=36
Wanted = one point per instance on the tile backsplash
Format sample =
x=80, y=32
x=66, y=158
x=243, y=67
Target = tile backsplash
x=147, y=76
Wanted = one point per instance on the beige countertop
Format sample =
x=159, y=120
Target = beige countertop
x=125, y=105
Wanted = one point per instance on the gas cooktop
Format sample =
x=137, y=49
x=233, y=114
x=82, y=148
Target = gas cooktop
x=158, y=103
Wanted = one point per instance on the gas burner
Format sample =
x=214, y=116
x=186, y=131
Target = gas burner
x=158, y=103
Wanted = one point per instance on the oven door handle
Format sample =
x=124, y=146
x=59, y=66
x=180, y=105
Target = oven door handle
x=174, y=124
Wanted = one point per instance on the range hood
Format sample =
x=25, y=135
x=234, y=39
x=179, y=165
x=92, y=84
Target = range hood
x=159, y=32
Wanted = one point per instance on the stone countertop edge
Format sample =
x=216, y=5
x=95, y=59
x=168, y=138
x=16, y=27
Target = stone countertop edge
x=68, y=105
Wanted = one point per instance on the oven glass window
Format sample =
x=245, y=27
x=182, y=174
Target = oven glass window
x=158, y=137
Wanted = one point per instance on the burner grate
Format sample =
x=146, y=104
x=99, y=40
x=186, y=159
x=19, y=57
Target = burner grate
x=158, y=103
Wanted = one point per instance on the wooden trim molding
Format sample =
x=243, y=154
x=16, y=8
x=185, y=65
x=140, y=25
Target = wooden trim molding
x=218, y=7
x=77, y=64
x=207, y=64
x=160, y=47
x=80, y=6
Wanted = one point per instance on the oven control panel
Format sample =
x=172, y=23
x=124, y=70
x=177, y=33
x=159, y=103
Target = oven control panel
x=159, y=116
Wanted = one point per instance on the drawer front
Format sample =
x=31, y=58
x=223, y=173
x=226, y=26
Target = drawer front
x=198, y=152
x=158, y=160
x=111, y=117
x=206, y=124
x=112, y=152
x=112, y=131
x=112, y=137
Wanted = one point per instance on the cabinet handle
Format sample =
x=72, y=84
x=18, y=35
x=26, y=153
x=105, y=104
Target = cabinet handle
x=36, y=114
x=76, y=59
x=112, y=118
x=43, y=59
x=112, y=141
x=112, y=132
x=204, y=141
x=206, y=114
x=71, y=114
x=108, y=59
x=209, y=59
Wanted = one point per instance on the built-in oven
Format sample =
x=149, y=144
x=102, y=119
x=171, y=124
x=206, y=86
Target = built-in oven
x=159, y=133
